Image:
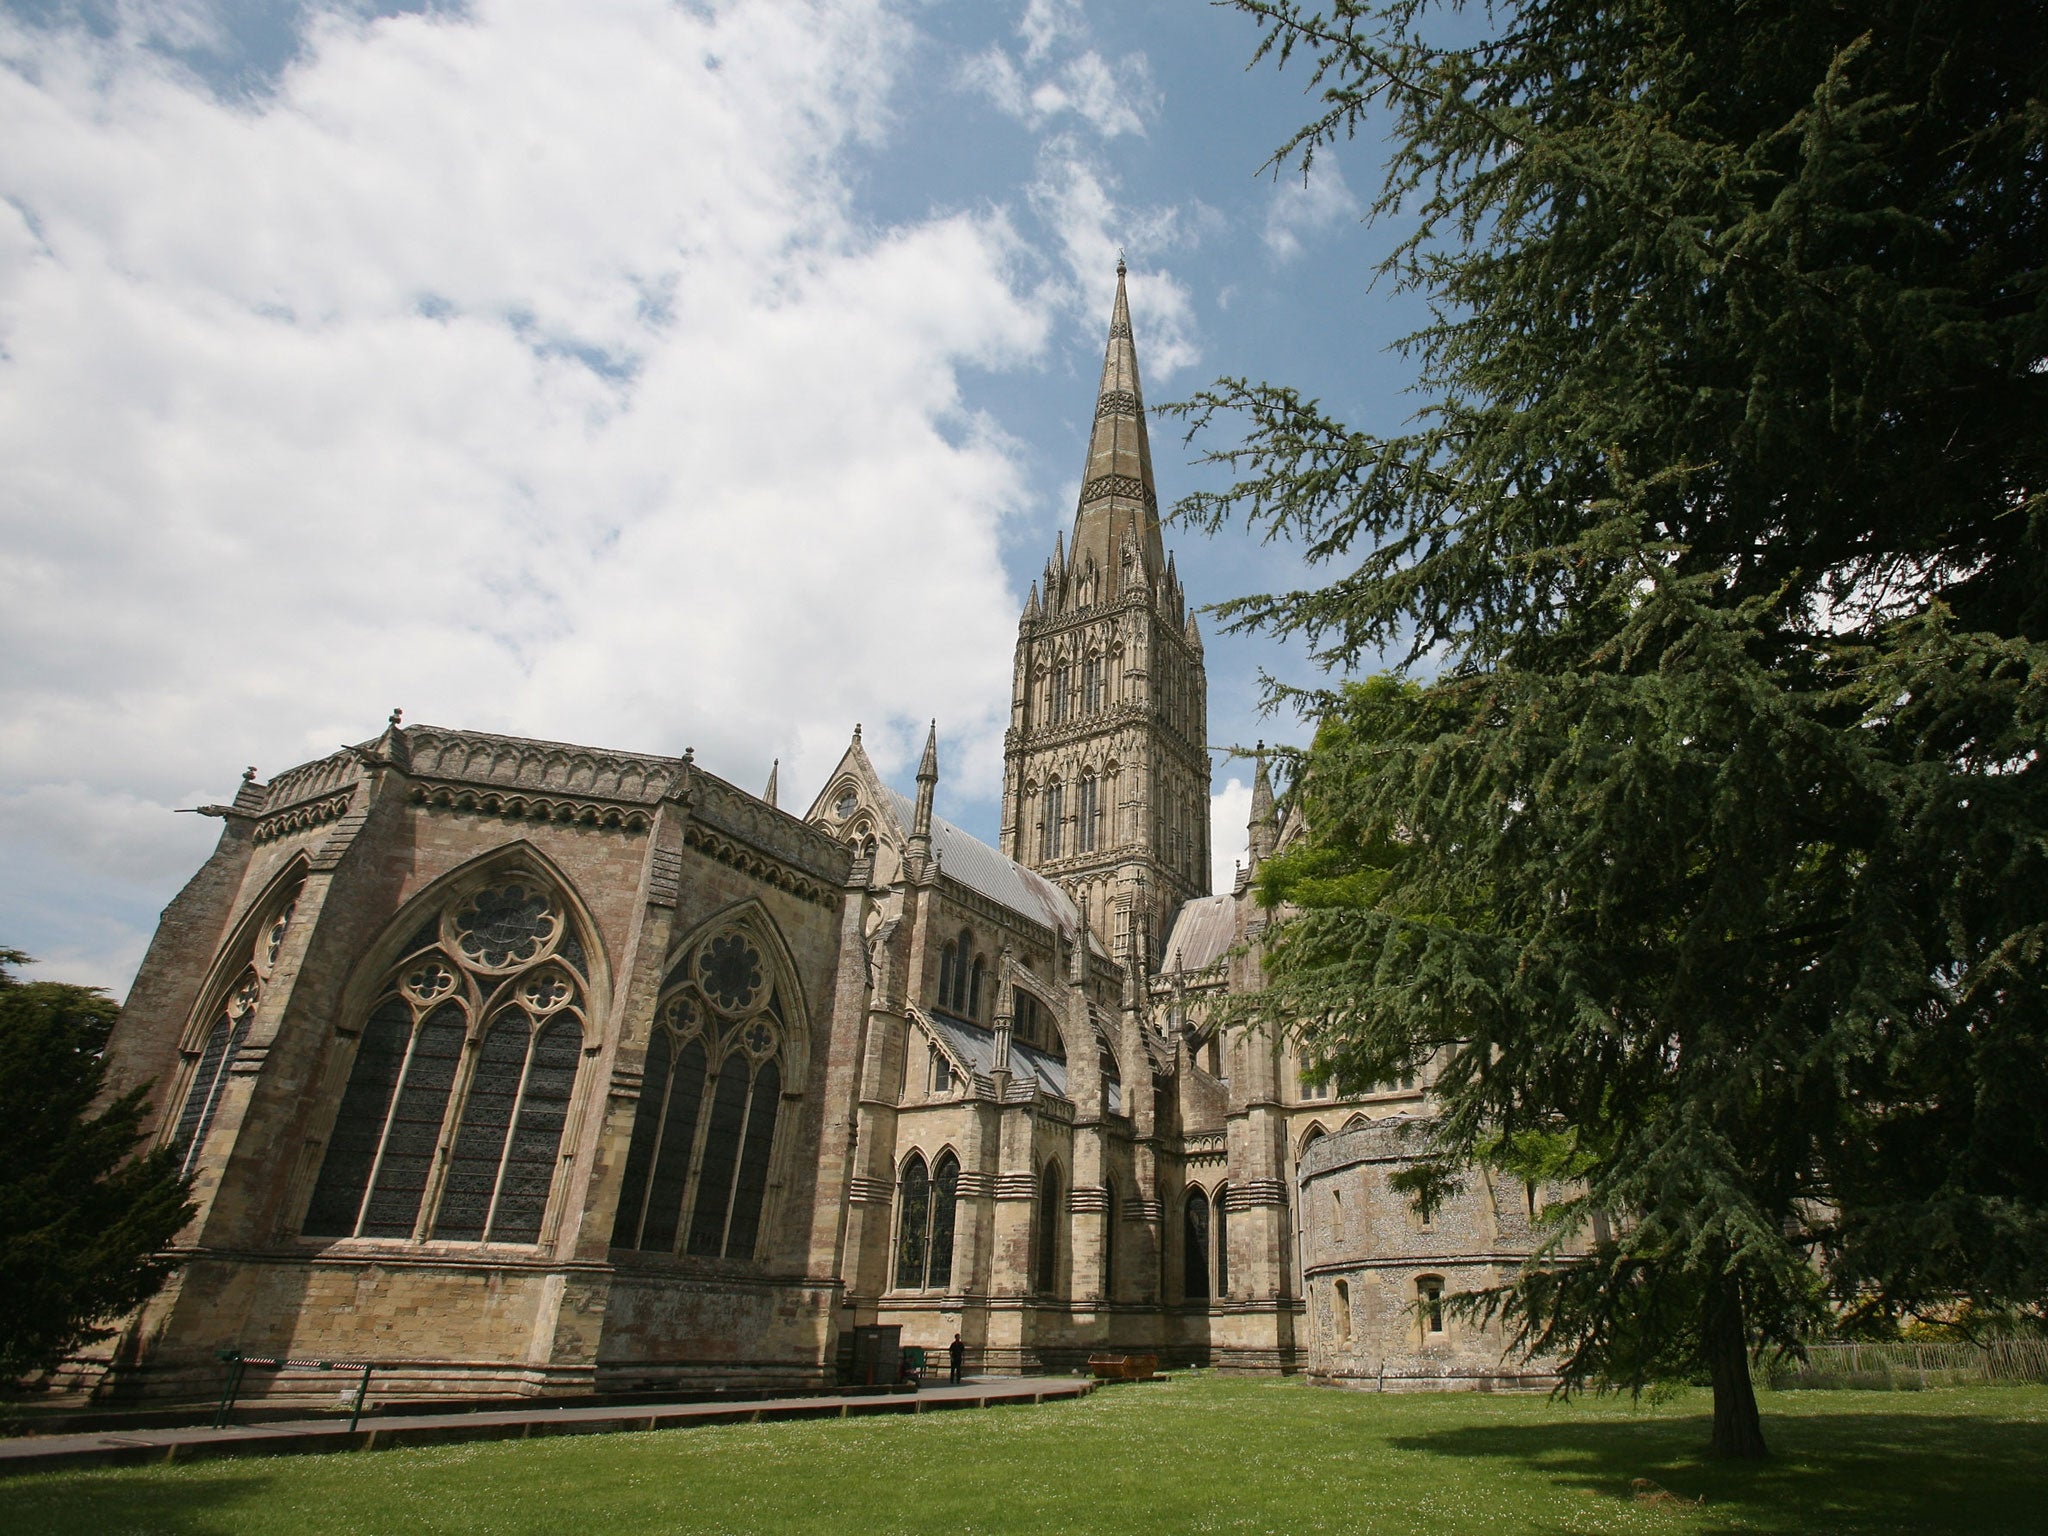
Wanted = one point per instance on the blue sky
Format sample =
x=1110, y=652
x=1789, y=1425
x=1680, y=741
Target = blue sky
x=621, y=372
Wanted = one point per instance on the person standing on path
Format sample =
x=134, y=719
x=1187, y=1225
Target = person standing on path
x=956, y=1355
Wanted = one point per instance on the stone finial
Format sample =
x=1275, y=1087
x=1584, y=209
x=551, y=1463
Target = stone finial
x=397, y=717
x=774, y=772
x=856, y=730
x=249, y=774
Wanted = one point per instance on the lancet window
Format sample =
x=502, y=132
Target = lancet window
x=227, y=1029
x=1195, y=1246
x=926, y=1207
x=1055, y=808
x=466, y=1066
x=1084, y=822
x=697, y=1165
x=1046, y=1269
x=1221, y=1214
x=1091, y=685
x=1056, y=699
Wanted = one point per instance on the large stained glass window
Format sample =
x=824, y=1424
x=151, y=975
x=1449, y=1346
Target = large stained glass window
x=451, y=1124
x=703, y=1142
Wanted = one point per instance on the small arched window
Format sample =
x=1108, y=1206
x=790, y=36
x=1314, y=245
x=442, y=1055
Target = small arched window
x=1091, y=684
x=964, y=945
x=945, y=1200
x=1195, y=1246
x=1084, y=821
x=1429, y=1304
x=1110, y=1214
x=949, y=963
x=975, y=981
x=1047, y=1269
x=1221, y=1206
x=1061, y=682
x=1055, y=808
x=1340, y=1294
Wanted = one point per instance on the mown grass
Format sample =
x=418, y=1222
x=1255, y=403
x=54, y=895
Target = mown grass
x=1192, y=1454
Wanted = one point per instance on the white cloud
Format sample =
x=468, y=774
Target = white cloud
x=1298, y=209
x=524, y=367
x=1046, y=22
x=1230, y=813
x=1112, y=98
x=1077, y=197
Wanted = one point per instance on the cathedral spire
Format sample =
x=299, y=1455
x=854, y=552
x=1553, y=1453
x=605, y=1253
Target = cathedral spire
x=1118, y=498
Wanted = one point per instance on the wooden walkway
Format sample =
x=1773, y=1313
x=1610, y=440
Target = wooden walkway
x=47, y=1453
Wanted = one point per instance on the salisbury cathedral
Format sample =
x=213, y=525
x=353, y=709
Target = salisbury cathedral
x=524, y=1067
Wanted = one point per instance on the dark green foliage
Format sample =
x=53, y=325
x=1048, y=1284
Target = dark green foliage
x=1720, y=821
x=82, y=1219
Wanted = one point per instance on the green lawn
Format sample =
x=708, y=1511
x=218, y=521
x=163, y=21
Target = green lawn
x=1193, y=1454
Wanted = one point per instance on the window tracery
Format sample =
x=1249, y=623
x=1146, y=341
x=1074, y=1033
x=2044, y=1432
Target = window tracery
x=500, y=969
x=927, y=1204
x=703, y=1137
x=225, y=1034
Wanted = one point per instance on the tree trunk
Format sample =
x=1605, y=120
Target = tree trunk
x=1738, y=1427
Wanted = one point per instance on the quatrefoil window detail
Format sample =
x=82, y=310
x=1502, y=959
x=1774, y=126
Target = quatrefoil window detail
x=506, y=925
x=545, y=992
x=759, y=1039
x=274, y=941
x=730, y=969
x=242, y=1002
x=431, y=980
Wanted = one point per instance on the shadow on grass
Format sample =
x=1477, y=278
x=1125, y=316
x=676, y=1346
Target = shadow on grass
x=1868, y=1471
x=104, y=1504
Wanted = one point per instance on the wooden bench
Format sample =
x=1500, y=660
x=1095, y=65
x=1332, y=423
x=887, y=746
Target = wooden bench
x=1124, y=1367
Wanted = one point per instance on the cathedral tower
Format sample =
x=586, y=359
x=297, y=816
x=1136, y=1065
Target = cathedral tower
x=1106, y=763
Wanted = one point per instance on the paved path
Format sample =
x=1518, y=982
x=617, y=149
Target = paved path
x=42, y=1453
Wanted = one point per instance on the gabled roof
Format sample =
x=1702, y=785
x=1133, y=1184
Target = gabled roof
x=1203, y=930
x=988, y=873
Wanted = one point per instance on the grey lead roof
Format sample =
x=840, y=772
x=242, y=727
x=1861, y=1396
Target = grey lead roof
x=977, y=1048
x=1001, y=879
x=1203, y=929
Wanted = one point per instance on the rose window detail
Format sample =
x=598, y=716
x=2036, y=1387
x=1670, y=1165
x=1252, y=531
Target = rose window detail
x=506, y=925
x=730, y=970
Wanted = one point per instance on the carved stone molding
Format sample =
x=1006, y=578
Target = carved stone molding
x=862, y=1190
x=1016, y=1186
x=305, y=816
x=1119, y=402
x=525, y=807
x=1130, y=487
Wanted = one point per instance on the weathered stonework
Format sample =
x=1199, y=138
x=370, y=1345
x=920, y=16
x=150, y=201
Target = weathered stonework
x=524, y=1067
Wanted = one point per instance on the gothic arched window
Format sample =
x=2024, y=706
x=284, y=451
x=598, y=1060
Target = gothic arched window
x=1049, y=828
x=222, y=1043
x=1195, y=1247
x=1222, y=1238
x=703, y=1137
x=913, y=1224
x=1091, y=684
x=1109, y=1237
x=926, y=1207
x=499, y=969
x=949, y=962
x=1061, y=682
x=956, y=999
x=1047, y=1269
x=974, y=985
x=1084, y=822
